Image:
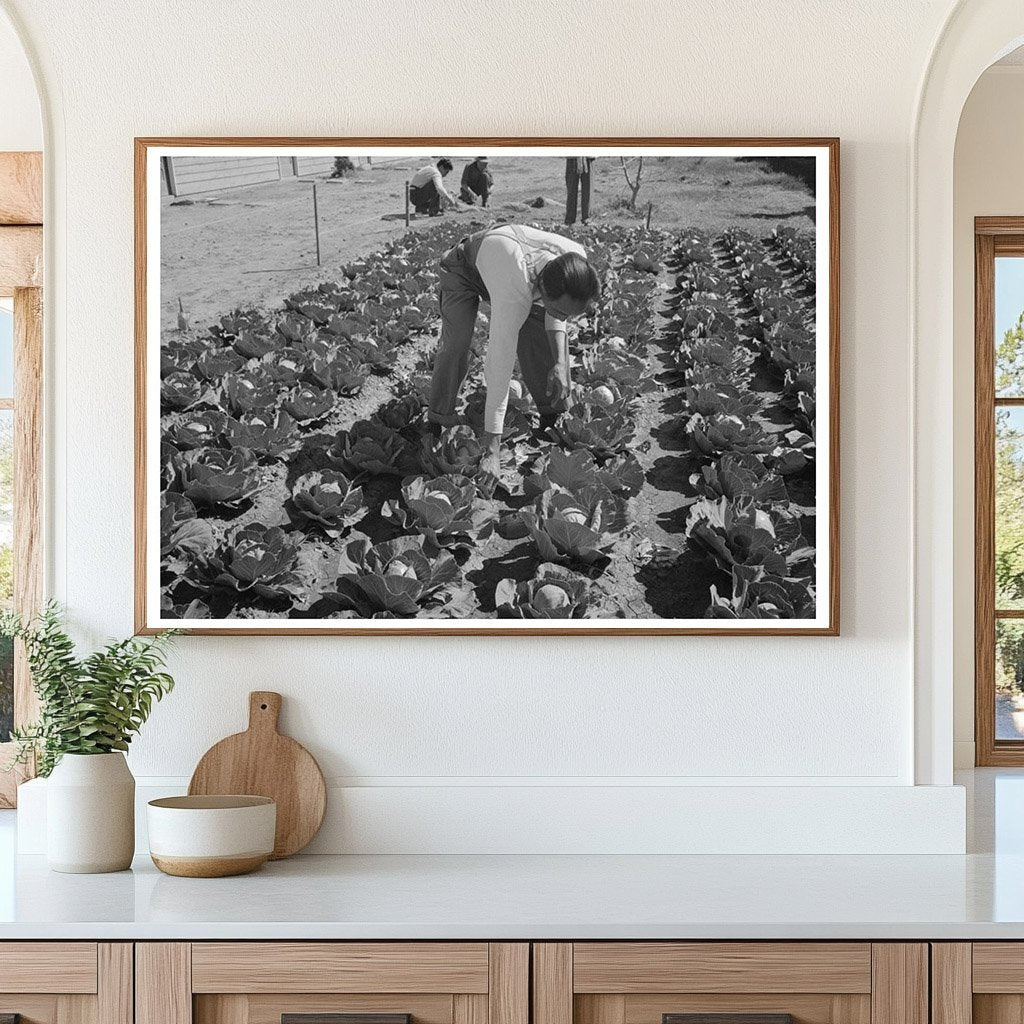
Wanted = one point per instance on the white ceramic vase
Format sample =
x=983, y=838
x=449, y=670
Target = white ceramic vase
x=90, y=814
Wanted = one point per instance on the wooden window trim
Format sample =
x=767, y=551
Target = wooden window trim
x=993, y=236
x=21, y=269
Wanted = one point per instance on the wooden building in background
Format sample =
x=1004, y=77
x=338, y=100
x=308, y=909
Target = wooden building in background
x=188, y=175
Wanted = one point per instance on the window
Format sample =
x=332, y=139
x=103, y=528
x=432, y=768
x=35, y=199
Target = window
x=21, y=365
x=999, y=490
x=6, y=510
x=20, y=493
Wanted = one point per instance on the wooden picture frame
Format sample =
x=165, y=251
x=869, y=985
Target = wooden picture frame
x=154, y=172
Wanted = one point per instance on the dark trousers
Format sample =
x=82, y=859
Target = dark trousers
x=425, y=198
x=468, y=195
x=576, y=182
x=461, y=290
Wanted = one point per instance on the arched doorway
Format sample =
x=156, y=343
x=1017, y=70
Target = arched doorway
x=977, y=33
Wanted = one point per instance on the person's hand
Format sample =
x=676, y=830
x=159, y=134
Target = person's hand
x=490, y=467
x=559, y=384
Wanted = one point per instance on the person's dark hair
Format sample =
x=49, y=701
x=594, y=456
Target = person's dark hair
x=570, y=274
x=444, y=164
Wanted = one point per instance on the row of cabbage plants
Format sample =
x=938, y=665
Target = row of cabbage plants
x=240, y=403
x=403, y=511
x=741, y=331
x=578, y=486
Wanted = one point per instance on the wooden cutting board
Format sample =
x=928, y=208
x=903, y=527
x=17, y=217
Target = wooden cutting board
x=262, y=762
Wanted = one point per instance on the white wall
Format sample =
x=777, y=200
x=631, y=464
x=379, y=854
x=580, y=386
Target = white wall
x=21, y=126
x=988, y=181
x=693, y=711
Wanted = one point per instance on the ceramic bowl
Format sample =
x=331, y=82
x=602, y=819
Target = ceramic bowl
x=211, y=836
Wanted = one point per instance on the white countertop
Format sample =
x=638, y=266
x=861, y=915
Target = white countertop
x=517, y=897
x=977, y=896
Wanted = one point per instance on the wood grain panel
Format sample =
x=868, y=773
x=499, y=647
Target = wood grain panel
x=229, y=1009
x=633, y=967
x=21, y=188
x=469, y=1008
x=805, y=1008
x=998, y=1009
x=508, y=992
x=267, y=1009
x=115, y=983
x=552, y=983
x=32, y=1009
x=899, y=990
x=604, y=1009
x=998, y=967
x=998, y=225
x=339, y=967
x=76, y=1009
x=163, y=983
x=851, y=1009
x=21, y=258
x=951, y=983
x=65, y=967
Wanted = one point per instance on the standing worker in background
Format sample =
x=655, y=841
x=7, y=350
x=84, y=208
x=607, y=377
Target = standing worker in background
x=534, y=281
x=577, y=179
x=476, y=181
x=426, y=189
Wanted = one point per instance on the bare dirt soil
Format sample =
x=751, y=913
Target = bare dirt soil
x=253, y=246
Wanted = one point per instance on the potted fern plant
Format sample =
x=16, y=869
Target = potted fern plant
x=90, y=707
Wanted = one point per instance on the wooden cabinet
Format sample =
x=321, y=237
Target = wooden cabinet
x=499, y=983
x=979, y=982
x=66, y=982
x=749, y=982
x=307, y=982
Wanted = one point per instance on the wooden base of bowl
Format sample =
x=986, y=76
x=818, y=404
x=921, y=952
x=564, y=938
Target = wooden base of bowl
x=209, y=867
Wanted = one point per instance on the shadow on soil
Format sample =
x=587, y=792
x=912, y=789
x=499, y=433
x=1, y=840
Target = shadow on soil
x=682, y=590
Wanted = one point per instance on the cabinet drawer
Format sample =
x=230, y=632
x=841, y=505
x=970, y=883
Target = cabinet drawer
x=332, y=983
x=65, y=967
x=730, y=983
x=981, y=982
x=66, y=982
x=753, y=967
x=340, y=967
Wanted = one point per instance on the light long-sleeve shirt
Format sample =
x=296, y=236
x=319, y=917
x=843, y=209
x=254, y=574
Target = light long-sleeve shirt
x=510, y=269
x=430, y=173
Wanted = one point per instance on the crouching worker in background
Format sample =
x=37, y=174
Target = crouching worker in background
x=476, y=181
x=534, y=282
x=426, y=189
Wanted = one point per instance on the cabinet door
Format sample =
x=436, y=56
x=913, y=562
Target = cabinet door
x=66, y=983
x=332, y=983
x=980, y=982
x=730, y=983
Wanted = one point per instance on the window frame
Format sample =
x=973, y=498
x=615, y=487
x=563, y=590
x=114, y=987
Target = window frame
x=21, y=270
x=993, y=237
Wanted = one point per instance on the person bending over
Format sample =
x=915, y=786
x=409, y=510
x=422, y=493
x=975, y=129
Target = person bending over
x=534, y=282
x=476, y=181
x=426, y=189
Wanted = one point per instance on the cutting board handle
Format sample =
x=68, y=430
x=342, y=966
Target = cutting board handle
x=264, y=710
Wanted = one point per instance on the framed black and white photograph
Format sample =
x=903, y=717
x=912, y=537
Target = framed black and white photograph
x=498, y=386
